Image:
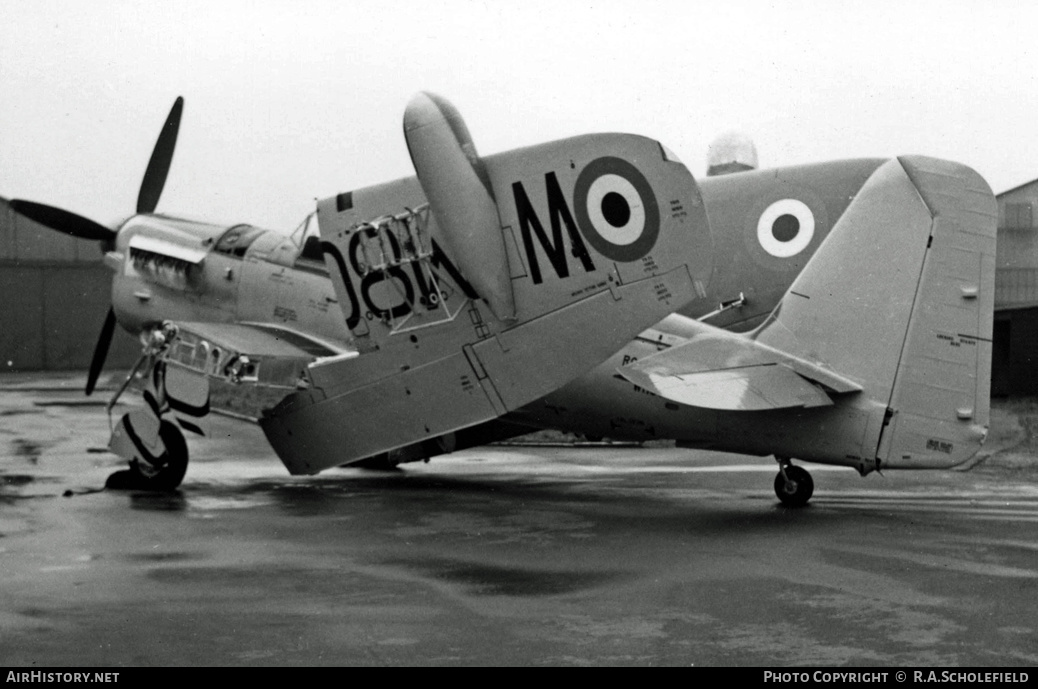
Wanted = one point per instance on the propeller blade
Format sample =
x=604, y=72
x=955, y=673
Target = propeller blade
x=62, y=220
x=161, y=157
x=101, y=351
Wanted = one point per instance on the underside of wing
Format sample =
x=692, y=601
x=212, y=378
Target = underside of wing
x=263, y=339
x=248, y=367
x=241, y=368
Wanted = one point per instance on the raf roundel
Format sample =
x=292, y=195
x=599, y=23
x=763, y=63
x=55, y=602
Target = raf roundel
x=785, y=228
x=616, y=209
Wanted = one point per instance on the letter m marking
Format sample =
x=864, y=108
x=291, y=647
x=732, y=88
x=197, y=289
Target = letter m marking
x=554, y=248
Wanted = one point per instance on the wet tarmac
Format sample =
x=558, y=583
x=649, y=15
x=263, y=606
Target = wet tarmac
x=503, y=556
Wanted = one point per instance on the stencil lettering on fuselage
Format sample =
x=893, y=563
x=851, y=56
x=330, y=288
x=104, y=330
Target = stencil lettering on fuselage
x=378, y=299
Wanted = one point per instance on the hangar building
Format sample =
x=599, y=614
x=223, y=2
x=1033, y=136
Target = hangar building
x=1014, y=367
x=54, y=294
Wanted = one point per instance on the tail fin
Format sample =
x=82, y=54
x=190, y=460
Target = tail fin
x=906, y=308
x=890, y=322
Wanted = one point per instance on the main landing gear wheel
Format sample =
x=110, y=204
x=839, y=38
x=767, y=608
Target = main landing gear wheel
x=793, y=485
x=165, y=475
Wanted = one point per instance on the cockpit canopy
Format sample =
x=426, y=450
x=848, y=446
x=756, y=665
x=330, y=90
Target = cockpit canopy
x=308, y=239
x=237, y=240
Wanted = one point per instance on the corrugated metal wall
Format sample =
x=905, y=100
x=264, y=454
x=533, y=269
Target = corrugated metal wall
x=1014, y=365
x=23, y=241
x=54, y=294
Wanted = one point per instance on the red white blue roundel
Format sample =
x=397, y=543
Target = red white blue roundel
x=785, y=228
x=616, y=209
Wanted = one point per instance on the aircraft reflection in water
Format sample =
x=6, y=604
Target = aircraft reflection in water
x=538, y=288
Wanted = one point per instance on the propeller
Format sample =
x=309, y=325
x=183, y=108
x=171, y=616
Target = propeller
x=161, y=157
x=83, y=228
x=63, y=221
x=101, y=351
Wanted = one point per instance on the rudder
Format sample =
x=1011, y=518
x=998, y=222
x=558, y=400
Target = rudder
x=942, y=394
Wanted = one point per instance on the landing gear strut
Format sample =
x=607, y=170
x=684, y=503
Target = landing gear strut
x=149, y=436
x=793, y=485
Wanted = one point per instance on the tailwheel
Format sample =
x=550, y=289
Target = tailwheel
x=163, y=474
x=793, y=484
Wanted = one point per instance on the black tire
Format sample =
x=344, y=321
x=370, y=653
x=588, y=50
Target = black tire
x=385, y=461
x=169, y=475
x=796, y=488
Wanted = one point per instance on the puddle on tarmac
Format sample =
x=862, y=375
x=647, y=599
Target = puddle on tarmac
x=158, y=502
x=27, y=449
x=16, y=487
x=174, y=556
x=496, y=580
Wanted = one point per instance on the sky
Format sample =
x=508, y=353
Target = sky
x=288, y=102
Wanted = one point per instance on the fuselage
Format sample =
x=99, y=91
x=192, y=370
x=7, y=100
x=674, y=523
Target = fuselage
x=765, y=225
x=244, y=273
x=174, y=269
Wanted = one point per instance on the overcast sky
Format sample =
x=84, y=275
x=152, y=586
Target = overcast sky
x=291, y=101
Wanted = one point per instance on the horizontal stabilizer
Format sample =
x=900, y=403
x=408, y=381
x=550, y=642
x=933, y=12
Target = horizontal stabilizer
x=752, y=388
x=717, y=369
